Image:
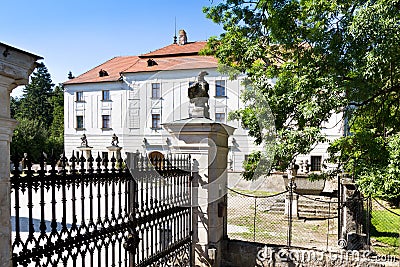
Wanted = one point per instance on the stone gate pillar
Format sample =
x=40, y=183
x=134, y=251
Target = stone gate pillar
x=352, y=216
x=15, y=68
x=207, y=142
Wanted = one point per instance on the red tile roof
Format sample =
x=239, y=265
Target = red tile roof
x=191, y=48
x=171, y=57
x=173, y=63
x=113, y=67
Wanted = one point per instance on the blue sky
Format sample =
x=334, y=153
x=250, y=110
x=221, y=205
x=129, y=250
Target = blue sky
x=77, y=35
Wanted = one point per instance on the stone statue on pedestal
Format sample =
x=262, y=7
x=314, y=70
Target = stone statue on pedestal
x=114, y=141
x=198, y=94
x=84, y=142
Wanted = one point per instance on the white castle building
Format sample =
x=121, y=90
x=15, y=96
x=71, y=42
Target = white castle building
x=132, y=96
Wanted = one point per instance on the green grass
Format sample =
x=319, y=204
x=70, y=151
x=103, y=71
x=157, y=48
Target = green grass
x=261, y=236
x=386, y=227
x=386, y=230
x=246, y=221
x=387, y=251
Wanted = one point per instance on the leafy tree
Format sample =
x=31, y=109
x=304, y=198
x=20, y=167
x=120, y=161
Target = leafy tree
x=14, y=106
x=56, y=129
x=35, y=103
x=57, y=105
x=30, y=136
x=40, y=113
x=326, y=57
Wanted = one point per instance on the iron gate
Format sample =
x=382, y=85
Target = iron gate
x=99, y=212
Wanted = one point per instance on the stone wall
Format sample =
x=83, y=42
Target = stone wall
x=237, y=253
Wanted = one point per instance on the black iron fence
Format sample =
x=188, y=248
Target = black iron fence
x=98, y=212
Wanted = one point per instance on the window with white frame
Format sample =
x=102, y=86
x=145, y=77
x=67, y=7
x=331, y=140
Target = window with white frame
x=220, y=88
x=155, y=90
x=316, y=163
x=155, y=121
x=79, y=122
x=106, y=122
x=220, y=117
x=79, y=96
x=105, y=95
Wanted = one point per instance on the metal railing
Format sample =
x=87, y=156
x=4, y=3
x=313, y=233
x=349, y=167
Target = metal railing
x=94, y=211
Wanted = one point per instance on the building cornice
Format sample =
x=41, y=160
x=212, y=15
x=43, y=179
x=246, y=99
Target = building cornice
x=16, y=64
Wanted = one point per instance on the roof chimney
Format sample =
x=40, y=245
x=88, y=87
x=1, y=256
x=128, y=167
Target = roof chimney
x=182, y=37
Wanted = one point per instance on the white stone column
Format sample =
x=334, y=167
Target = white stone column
x=114, y=151
x=15, y=68
x=6, y=131
x=207, y=142
x=7, y=126
x=87, y=151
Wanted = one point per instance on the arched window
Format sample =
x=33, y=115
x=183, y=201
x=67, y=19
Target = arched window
x=155, y=157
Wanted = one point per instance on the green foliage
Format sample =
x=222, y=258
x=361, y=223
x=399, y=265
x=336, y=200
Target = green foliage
x=30, y=136
x=250, y=165
x=383, y=182
x=14, y=106
x=325, y=57
x=318, y=176
x=35, y=103
x=40, y=113
x=57, y=104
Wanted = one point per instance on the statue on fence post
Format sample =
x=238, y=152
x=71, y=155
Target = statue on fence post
x=198, y=94
x=114, y=141
x=84, y=142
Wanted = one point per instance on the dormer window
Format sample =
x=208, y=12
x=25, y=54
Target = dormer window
x=103, y=73
x=151, y=62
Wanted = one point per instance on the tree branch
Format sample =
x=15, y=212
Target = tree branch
x=394, y=88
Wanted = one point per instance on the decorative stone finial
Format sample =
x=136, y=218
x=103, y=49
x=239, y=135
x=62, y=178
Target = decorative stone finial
x=198, y=94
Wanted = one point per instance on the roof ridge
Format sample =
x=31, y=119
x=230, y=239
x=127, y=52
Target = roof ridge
x=154, y=53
